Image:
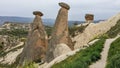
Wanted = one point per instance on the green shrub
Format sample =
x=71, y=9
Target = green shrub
x=74, y=29
x=113, y=60
x=83, y=58
x=5, y=66
x=30, y=65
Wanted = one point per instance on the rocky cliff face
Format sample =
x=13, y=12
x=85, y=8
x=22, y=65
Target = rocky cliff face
x=60, y=33
x=35, y=48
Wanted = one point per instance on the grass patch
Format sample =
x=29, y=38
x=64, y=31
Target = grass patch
x=113, y=60
x=30, y=65
x=5, y=66
x=83, y=58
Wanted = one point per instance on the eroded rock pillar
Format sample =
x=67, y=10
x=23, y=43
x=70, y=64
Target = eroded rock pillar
x=60, y=33
x=36, y=45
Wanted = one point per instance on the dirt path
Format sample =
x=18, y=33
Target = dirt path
x=102, y=62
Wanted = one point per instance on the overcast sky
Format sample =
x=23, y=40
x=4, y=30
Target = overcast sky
x=102, y=9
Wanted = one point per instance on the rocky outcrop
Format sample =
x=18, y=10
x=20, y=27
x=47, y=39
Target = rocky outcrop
x=60, y=33
x=94, y=30
x=8, y=41
x=36, y=45
x=61, y=49
x=10, y=57
x=89, y=18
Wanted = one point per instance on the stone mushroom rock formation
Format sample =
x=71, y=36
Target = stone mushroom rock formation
x=89, y=18
x=60, y=33
x=36, y=45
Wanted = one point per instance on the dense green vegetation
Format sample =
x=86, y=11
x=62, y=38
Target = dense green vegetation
x=114, y=30
x=30, y=65
x=113, y=60
x=14, y=32
x=83, y=58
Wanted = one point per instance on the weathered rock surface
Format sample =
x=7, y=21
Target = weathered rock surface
x=10, y=57
x=93, y=30
x=36, y=45
x=8, y=42
x=61, y=49
x=60, y=33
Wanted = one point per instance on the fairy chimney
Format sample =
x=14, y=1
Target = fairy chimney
x=60, y=33
x=89, y=18
x=36, y=45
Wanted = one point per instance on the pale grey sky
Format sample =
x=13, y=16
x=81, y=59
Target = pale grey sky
x=102, y=9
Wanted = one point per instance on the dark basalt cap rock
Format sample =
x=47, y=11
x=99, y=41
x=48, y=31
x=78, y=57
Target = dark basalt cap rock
x=64, y=5
x=89, y=16
x=38, y=13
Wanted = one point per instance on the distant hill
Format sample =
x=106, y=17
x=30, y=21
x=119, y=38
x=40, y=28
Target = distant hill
x=49, y=22
x=22, y=20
